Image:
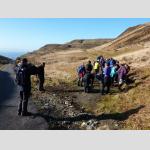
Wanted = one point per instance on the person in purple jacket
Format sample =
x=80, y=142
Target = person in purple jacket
x=106, y=78
x=122, y=72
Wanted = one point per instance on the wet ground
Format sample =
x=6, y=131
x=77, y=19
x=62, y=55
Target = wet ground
x=63, y=108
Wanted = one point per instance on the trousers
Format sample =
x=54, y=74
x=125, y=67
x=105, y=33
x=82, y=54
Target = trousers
x=23, y=104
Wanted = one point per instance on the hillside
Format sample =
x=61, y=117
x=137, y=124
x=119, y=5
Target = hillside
x=127, y=109
x=4, y=60
x=73, y=45
x=62, y=59
x=87, y=43
x=133, y=36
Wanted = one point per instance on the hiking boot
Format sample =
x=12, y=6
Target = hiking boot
x=107, y=92
x=78, y=84
x=19, y=113
x=26, y=114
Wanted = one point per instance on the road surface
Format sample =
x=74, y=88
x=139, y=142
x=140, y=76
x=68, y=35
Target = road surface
x=9, y=97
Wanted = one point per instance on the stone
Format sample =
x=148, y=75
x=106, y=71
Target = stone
x=66, y=123
x=71, y=114
x=83, y=125
x=46, y=106
x=54, y=94
x=104, y=127
x=90, y=127
x=92, y=122
x=66, y=103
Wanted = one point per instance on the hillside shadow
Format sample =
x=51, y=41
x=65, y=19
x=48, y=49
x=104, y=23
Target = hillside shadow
x=7, y=86
x=86, y=117
x=95, y=91
x=145, y=77
x=74, y=90
x=114, y=116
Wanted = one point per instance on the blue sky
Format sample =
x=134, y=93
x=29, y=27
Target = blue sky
x=31, y=34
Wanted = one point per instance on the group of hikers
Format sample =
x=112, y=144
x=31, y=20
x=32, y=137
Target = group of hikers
x=23, y=71
x=107, y=71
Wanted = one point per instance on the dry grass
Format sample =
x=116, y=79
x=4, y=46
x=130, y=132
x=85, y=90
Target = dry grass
x=136, y=59
x=135, y=95
x=61, y=68
x=62, y=65
x=132, y=48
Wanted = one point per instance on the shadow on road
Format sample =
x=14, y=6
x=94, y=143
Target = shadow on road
x=7, y=86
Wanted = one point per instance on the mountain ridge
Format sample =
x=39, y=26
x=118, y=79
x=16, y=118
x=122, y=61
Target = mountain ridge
x=5, y=60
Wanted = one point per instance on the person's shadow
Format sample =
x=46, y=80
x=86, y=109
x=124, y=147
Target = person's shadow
x=7, y=86
x=85, y=117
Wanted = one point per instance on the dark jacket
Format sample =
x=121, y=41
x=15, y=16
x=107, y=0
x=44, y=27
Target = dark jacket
x=89, y=67
x=87, y=78
x=30, y=70
x=41, y=73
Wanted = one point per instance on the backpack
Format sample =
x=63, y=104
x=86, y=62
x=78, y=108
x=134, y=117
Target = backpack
x=80, y=69
x=22, y=76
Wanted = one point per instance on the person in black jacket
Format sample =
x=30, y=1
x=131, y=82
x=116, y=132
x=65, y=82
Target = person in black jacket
x=23, y=74
x=89, y=66
x=23, y=79
x=41, y=76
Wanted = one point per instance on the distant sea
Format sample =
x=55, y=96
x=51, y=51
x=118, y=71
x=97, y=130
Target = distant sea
x=12, y=54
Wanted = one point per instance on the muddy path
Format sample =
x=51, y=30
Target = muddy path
x=66, y=108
